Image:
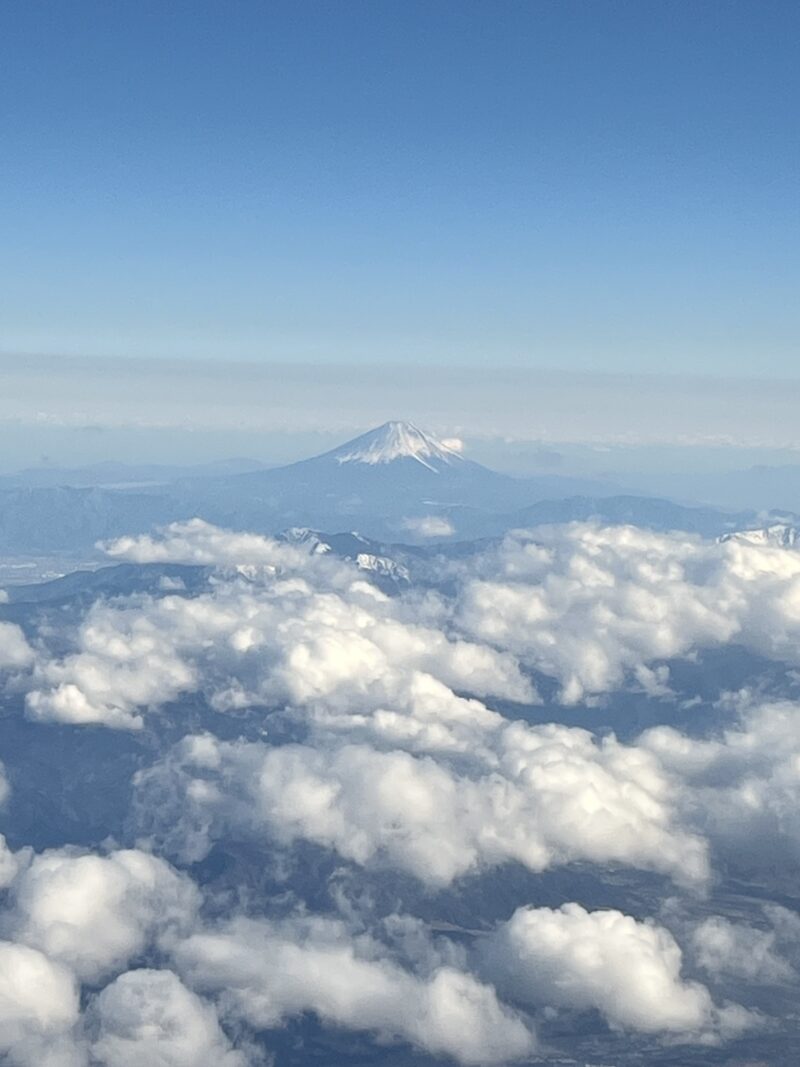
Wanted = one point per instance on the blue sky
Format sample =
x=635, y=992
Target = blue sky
x=605, y=186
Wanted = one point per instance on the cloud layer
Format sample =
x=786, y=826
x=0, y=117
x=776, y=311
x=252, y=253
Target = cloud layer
x=385, y=742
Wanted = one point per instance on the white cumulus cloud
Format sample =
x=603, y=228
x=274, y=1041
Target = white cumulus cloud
x=588, y=605
x=148, y=1017
x=15, y=652
x=93, y=913
x=629, y=971
x=543, y=796
x=265, y=973
x=39, y=1009
x=429, y=526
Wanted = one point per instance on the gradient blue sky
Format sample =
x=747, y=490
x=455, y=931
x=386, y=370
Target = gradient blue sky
x=580, y=185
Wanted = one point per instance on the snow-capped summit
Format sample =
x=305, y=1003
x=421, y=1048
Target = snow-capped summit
x=398, y=440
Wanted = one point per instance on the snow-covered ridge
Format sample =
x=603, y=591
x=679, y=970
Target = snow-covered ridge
x=382, y=566
x=310, y=539
x=397, y=440
x=780, y=535
x=315, y=545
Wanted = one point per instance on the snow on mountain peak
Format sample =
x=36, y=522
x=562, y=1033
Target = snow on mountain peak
x=778, y=535
x=398, y=440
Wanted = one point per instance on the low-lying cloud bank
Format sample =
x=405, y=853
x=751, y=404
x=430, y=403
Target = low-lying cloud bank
x=382, y=744
x=76, y=919
x=546, y=796
x=590, y=607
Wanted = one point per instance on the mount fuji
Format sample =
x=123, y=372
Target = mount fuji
x=377, y=482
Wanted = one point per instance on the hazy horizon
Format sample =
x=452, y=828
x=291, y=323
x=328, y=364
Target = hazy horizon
x=508, y=403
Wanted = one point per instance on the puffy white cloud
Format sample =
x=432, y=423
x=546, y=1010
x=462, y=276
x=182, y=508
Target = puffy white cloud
x=629, y=971
x=198, y=542
x=588, y=604
x=421, y=715
x=734, y=949
x=307, y=631
x=541, y=796
x=147, y=1018
x=741, y=788
x=15, y=652
x=39, y=1009
x=267, y=972
x=124, y=664
x=429, y=526
x=73, y=918
x=94, y=913
x=455, y=444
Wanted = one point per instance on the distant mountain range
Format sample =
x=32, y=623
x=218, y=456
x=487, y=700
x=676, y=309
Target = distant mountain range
x=113, y=475
x=395, y=483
